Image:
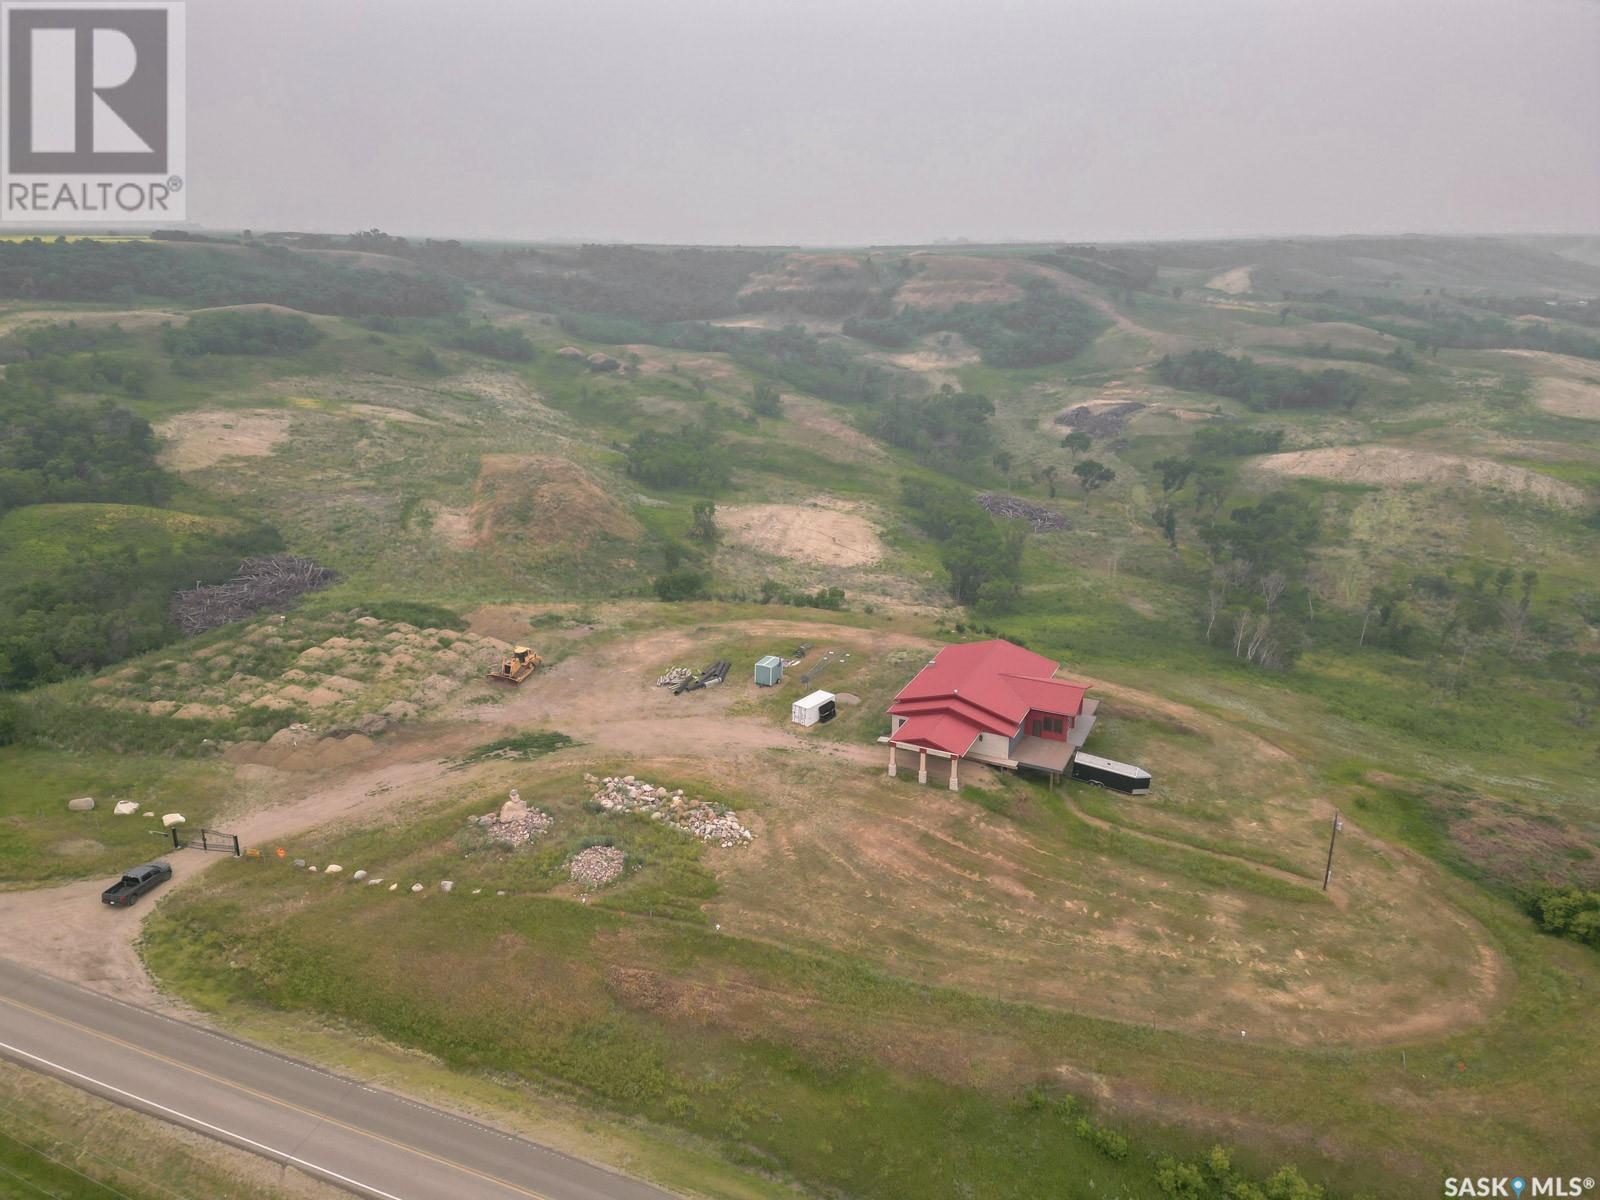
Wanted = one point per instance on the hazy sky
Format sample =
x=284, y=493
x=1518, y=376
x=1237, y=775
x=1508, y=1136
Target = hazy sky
x=856, y=121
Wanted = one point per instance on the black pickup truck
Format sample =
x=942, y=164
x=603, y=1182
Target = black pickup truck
x=137, y=882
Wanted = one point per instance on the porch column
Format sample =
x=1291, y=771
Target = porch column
x=893, y=766
x=922, y=766
x=954, y=786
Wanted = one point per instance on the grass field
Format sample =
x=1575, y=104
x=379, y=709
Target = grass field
x=58, y=1142
x=912, y=991
x=41, y=539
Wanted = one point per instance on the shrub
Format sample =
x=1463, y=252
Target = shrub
x=512, y=345
x=685, y=460
x=685, y=583
x=262, y=332
x=1567, y=912
x=1108, y=1141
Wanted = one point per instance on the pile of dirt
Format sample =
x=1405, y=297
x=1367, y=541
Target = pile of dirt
x=1391, y=466
x=597, y=866
x=540, y=502
x=300, y=748
x=514, y=823
x=196, y=440
x=698, y=818
x=824, y=531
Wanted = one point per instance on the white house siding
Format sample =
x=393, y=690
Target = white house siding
x=991, y=745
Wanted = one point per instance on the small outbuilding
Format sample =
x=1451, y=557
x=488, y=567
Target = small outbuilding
x=769, y=670
x=814, y=709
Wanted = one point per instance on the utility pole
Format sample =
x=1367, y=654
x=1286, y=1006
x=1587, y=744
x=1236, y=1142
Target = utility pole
x=1332, y=838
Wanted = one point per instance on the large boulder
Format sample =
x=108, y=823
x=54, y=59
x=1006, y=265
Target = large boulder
x=126, y=808
x=81, y=804
x=171, y=819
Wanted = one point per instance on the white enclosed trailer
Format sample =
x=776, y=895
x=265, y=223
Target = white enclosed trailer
x=813, y=709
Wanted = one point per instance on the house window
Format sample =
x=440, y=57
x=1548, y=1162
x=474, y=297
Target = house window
x=1053, y=725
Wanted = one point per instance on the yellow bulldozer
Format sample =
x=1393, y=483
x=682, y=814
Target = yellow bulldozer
x=516, y=666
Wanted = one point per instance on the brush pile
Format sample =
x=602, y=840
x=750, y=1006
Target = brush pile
x=270, y=581
x=1014, y=508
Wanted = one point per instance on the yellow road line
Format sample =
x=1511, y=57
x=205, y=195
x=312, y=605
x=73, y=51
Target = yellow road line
x=249, y=1091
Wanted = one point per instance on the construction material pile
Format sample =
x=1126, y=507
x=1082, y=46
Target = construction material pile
x=698, y=818
x=266, y=582
x=673, y=677
x=597, y=866
x=1014, y=508
x=515, y=824
x=708, y=676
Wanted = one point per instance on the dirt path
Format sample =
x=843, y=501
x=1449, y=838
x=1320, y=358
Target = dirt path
x=604, y=696
x=1260, y=868
x=67, y=932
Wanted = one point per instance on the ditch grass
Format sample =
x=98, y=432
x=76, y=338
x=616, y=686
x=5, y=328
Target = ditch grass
x=821, y=1068
x=58, y=1141
x=44, y=842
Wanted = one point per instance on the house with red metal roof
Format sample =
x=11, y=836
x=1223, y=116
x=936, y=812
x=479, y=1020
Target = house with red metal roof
x=992, y=702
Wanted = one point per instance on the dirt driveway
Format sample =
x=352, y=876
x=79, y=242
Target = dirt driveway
x=605, y=698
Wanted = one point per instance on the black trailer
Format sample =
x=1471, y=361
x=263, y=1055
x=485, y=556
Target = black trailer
x=1091, y=768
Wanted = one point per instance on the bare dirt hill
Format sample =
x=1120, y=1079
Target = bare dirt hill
x=196, y=440
x=536, y=501
x=823, y=530
x=1390, y=466
x=1566, y=386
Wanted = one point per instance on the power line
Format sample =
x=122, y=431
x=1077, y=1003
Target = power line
x=84, y=1150
x=67, y=1167
x=30, y=1184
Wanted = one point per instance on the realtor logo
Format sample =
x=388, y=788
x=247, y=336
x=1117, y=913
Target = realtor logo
x=93, y=121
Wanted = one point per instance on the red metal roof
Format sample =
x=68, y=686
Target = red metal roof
x=991, y=685
x=950, y=734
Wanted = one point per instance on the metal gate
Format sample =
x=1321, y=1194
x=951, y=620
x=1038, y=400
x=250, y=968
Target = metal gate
x=206, y=839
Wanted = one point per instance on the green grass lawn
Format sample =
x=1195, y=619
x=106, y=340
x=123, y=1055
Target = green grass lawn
x=45, y=842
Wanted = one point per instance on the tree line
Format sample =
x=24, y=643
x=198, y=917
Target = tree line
x=1043, y=327
x=1261, y=387
x=203, y=276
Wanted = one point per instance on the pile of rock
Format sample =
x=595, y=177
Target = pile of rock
x=673, y=677
x=515, y=824
x=597, y=866
x=699, y=818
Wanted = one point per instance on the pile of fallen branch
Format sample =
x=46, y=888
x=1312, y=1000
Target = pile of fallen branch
x=1102, y=421
x=1014, y=508
x=264, y=582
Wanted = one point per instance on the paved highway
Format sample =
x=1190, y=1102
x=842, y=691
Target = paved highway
x=368, y=1141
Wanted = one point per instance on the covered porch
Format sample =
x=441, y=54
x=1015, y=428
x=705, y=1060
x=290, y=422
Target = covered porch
x=907, y=757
